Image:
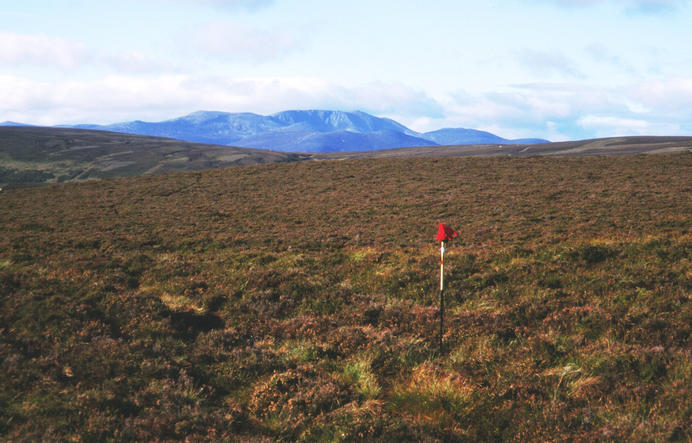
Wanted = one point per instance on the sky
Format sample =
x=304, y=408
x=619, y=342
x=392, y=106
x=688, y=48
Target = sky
x=555, y=69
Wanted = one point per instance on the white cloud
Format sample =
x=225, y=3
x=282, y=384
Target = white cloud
x=20, y=49
x=518, y=111
x=556, y=111
x=563, y=111
x=672, y=96
x=53, y=52
x=393, y=99
x=608, y=126
x=135, y=62
x=601, y=54
x=548, y=63
x=609, y=122
x=119, y=98
x=233, y=41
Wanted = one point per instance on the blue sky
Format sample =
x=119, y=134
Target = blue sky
x=558, y=69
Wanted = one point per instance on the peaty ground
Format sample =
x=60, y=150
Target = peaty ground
x=299, y=301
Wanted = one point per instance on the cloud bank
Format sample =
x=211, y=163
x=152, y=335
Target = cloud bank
x=232, y=41
x=261, y=56
x=117, y=98
x=17, y=50
x=557, y=111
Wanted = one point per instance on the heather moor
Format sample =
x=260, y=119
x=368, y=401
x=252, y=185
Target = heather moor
x=298, y=301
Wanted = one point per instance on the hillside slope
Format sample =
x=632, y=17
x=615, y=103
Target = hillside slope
x=299, y=302
x=35, y=155
x=579, y=148
x=32, y=156
x=334, y=141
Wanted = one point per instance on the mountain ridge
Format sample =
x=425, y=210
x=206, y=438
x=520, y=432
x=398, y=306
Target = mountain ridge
x=312, y=130
x=449, y=136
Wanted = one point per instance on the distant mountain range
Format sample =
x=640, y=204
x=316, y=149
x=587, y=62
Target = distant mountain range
x=310, y=131
x=31, y=155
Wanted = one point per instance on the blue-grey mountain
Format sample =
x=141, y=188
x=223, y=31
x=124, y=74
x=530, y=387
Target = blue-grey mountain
x=333, y=141
x=302, y=131
x=9, y=123
x=461, y=136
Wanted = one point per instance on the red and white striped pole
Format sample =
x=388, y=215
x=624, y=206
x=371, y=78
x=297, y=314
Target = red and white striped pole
x=444, y=233
x=442, y=291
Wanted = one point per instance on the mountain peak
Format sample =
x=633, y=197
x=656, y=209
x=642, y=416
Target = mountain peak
x=200, y=115
x=314, y=130
x=327, y=121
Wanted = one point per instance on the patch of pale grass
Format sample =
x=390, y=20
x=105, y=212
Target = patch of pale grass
x=359, y=255
x=180, y=303
x=477, y=350
x=433, y=394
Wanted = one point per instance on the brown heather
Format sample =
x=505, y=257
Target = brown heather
x=299, y=302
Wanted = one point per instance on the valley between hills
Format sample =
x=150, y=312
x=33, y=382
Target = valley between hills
x=297, y=300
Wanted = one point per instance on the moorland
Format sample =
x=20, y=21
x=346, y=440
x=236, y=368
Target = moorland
x=33, y=156
x=298, y=301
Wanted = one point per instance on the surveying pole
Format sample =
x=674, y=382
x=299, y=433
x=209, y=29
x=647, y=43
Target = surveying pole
x=442, y=292
x=444, y=233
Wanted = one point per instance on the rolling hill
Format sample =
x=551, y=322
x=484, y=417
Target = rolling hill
x=601, y=146
x=461, y=136
x=32, y=156
x=35, y=155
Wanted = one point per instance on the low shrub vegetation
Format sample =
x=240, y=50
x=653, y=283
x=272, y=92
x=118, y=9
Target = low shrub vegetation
x=299, y=302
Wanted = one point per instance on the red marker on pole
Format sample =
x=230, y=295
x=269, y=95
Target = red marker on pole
x=444, y=233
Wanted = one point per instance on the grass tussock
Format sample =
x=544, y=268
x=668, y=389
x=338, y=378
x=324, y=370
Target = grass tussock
x=299, y=302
